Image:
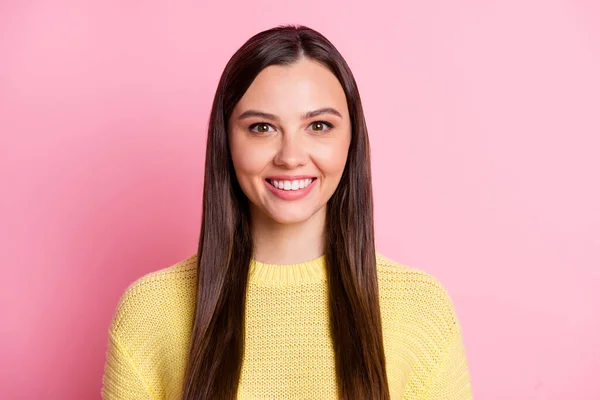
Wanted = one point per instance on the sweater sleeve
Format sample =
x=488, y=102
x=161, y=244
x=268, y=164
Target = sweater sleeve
x=452, y=380
x=122, y=379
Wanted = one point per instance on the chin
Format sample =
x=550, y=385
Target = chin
x=289, y=218
x=290, y=215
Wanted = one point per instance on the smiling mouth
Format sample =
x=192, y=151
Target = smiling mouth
x=297, y=184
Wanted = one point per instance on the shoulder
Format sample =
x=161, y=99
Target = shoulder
x=417, y=292
x=391, y=270
x=159, y=297
x=423, y=333
x=150, y=332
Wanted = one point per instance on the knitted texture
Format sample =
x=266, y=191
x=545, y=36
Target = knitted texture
x=288, y=351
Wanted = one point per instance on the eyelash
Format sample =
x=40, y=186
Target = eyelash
x=327, y=124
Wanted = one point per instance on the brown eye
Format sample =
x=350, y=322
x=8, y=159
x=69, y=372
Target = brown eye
x=320, y=126
x=260, y=127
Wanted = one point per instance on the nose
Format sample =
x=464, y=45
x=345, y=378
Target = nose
x=291, y=153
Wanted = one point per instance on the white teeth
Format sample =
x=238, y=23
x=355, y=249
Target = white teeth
x=292, y=185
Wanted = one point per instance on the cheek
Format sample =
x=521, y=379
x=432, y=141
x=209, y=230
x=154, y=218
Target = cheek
x=246, y=160
x=332, y=158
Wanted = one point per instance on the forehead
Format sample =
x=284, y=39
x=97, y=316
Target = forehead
x=290, y=90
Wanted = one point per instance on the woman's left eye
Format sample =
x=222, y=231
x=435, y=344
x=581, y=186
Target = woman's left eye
x=321, y=126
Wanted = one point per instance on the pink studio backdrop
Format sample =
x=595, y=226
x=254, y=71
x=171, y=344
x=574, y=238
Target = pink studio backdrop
x=484, y=123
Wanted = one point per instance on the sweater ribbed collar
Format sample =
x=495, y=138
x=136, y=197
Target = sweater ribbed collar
x=288, y=274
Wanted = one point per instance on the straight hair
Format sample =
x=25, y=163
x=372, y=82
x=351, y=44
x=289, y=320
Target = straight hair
x=225, y=246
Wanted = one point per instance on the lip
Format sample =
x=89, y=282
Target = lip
x=290, y=194
x=290, y=177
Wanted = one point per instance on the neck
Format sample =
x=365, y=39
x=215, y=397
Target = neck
x=287, y=243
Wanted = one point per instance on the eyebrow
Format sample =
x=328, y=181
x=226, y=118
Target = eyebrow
x=310, y=114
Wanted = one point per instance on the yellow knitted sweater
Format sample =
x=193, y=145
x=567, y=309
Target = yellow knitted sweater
x=288, y=352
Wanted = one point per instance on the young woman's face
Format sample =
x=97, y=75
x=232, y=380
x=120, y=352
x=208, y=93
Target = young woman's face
x=292, y=124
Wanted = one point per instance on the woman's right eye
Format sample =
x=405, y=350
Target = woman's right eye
x=260, y=127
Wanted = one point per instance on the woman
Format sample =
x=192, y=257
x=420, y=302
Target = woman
x=286, y=297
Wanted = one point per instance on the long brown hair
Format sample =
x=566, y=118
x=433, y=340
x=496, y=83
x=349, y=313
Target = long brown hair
x=225, y=247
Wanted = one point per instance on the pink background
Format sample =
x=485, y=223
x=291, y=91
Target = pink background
x=484, y=118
